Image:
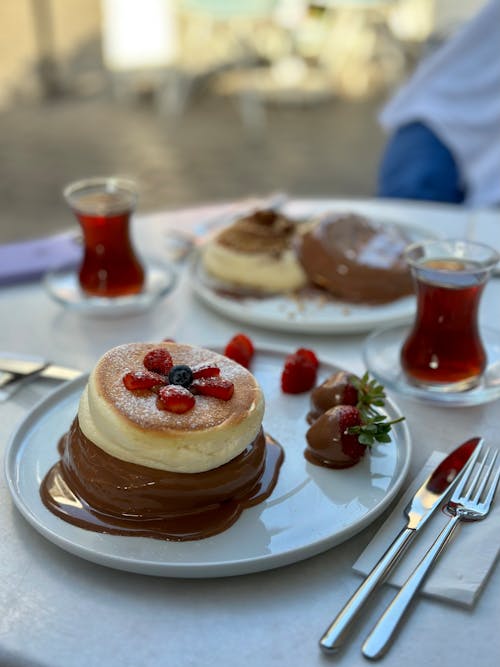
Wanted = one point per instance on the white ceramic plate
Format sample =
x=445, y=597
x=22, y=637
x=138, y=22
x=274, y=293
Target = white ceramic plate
x=312, y=315
x=310, y=510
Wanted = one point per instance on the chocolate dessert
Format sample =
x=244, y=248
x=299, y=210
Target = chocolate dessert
x=356, y=260
x=173, y=451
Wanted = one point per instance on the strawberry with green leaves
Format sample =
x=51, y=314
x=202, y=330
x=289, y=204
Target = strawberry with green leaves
x=341, y=434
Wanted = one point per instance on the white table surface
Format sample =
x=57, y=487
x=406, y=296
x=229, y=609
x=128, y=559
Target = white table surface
x=58, y=610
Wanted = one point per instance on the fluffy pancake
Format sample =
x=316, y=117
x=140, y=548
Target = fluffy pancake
x=256, y=252
x=129, y=426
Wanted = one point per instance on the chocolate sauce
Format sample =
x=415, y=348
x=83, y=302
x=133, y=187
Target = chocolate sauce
x=93, y=490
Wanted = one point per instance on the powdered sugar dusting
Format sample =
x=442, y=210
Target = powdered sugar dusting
x=139, y=406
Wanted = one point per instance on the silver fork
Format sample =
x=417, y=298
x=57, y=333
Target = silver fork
x=465, y=505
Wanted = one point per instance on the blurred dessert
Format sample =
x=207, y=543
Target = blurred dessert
x=256, y=252
x=355, y=259
x=167, y=443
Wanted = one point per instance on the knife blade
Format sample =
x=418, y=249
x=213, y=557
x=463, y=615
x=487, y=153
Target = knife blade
x=426, y=500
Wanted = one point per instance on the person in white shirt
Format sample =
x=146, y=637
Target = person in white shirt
x=444, y=123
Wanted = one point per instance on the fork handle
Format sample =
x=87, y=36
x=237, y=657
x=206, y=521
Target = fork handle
x=378, y=641
x=335, y=634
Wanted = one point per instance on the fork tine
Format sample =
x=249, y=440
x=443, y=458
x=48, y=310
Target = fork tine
x=486, y=477
x=476, y=476
x=492, y=490
x=467, y=472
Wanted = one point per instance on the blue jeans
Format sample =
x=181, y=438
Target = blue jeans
x=417, y=165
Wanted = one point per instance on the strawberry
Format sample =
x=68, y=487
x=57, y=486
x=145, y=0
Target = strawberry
x=175, y=398
x=240, y=349
x=299, y=372
x=340, y=436
x=308, y=355
x=158, y=360
x=205, y=371
x=213, y=386
x=142, y=380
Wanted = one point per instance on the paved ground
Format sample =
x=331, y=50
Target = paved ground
x=204, y=155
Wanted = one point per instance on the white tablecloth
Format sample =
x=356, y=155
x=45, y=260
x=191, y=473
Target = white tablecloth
x=58, y=610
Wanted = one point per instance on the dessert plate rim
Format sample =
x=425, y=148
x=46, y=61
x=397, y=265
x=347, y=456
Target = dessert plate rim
x=275, y=533
x=286, y=313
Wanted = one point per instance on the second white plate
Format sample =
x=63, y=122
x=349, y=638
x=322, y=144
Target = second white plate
x=310, y=510
x=314, y=315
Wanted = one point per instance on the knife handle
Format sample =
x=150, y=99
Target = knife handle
x=335, y=634
x=378, y=641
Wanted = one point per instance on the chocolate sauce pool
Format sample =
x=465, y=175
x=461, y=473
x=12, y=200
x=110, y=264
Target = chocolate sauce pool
x=93, y=490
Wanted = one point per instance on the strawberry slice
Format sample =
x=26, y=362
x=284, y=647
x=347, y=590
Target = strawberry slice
x=205, y=371
x=216, y=386
x=240, y=349
x=142, y=380
x=299, y=372
x=175, y=398
x=158, y=360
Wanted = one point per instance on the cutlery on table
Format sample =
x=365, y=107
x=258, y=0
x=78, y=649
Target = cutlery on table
x=464, y=506
x=15, y=373
x=426, y=500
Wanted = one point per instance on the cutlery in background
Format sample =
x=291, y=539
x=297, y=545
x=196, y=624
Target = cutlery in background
x=463, y=507
x=426, y=500
x=16, y=373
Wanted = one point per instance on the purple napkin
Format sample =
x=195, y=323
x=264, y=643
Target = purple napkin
x=29, y=260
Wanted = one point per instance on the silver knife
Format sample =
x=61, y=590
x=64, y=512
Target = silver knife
x=425, y=501
x=15, y=373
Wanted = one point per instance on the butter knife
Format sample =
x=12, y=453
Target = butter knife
x=15, y=373
x=426, y=500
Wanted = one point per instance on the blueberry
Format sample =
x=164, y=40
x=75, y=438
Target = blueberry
x=180, y=374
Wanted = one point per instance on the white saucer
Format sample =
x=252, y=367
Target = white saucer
x=63, y=287
x=381, y=356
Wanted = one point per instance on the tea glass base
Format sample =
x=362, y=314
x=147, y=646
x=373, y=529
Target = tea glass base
x=381, y=352
x=63, y=287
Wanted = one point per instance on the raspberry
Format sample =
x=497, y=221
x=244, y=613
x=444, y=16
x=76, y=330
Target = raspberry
x=205, y=371
x=215, y=386
x=309, y=355
x=175, y=398
x=240, y=349
x=299, y=373
x=158, y=360
x=142, y=380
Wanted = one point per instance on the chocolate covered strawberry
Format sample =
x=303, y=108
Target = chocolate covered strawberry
x=340, y=436
x=344, y=388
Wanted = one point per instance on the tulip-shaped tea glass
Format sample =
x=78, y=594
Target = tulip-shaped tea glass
x=103, y=206
x=444, y=351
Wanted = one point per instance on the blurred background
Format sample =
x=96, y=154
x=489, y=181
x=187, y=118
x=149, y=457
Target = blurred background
x=200, y=100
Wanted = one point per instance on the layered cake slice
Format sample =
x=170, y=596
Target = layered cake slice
x=167, y=443
x=256, y=252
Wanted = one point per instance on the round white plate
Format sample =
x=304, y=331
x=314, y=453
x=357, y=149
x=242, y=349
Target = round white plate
x=63, y=287
x=310, y=510
x=381, y=355
x=314, y=315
